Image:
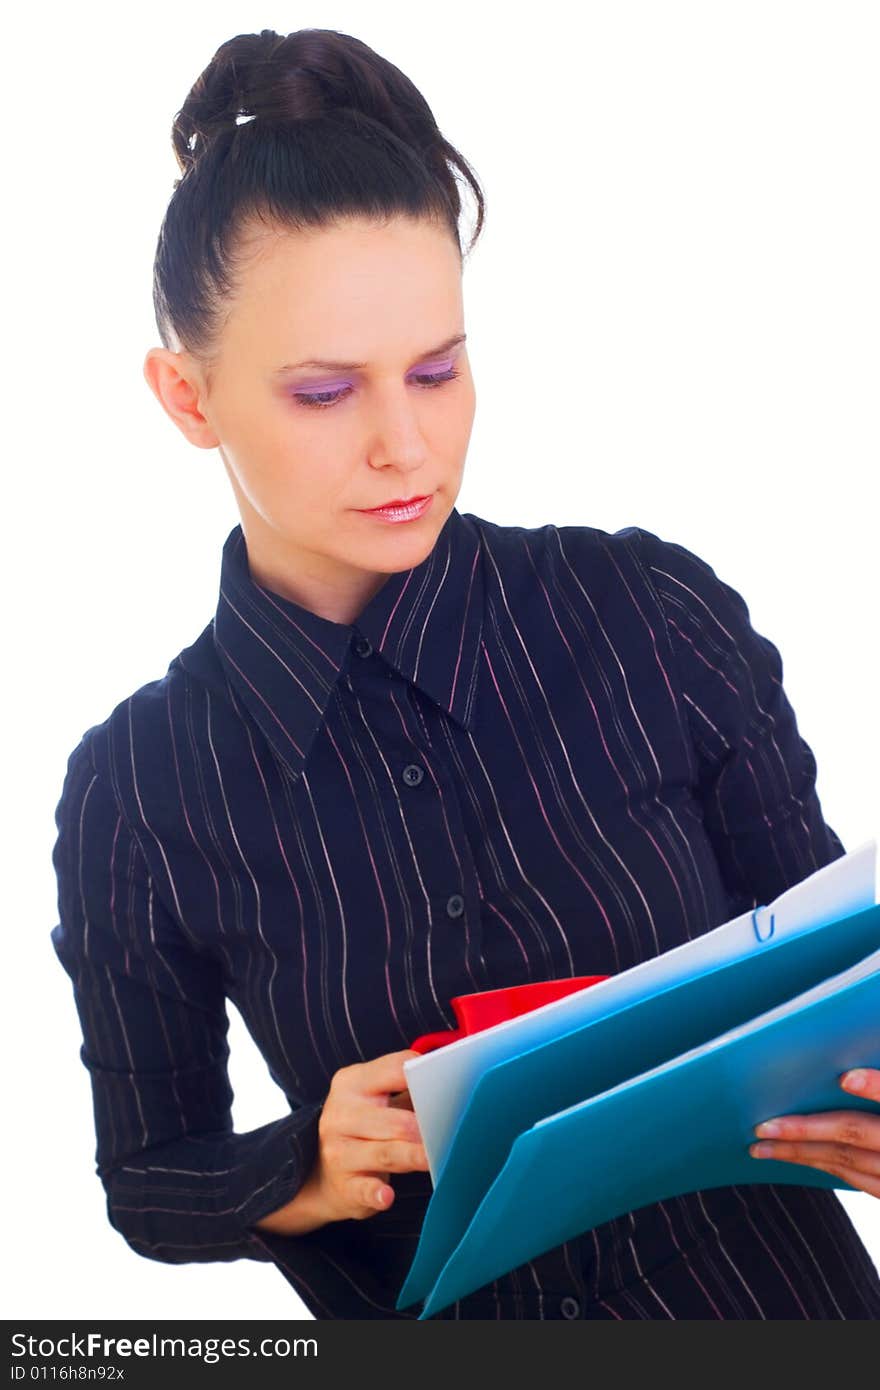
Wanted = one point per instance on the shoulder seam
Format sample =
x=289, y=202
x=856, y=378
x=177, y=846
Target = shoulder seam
x=110, y=790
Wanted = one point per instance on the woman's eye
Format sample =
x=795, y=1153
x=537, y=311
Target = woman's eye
x=320, y=400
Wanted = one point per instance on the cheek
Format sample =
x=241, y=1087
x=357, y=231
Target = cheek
x=450, y=427
x=465, y=418
x=254, y=434
x=273, y=470
x=469, y=394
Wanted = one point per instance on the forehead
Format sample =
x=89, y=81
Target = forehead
x=349, y=248
x=332, y=292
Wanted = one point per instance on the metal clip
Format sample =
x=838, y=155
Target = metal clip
x=755, y=923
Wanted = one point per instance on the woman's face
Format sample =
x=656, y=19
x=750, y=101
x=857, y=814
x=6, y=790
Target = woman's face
x=307, y=447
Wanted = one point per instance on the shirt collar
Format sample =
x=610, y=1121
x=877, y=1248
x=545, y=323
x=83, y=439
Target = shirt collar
x=283, y=660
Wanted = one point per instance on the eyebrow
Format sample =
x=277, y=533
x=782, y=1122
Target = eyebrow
x=358, y=366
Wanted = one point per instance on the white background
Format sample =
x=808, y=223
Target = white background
x=672, y=321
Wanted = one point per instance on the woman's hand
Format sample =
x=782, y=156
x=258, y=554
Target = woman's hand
x=367, y=1130
x=843, y=1142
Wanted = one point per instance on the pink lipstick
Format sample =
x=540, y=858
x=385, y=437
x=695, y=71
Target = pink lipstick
x=399, y=510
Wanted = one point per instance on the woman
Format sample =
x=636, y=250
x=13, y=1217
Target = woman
x=414, y=754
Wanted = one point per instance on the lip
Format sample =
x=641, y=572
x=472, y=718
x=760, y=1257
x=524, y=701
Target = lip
x=398, y=502
x=407, y=515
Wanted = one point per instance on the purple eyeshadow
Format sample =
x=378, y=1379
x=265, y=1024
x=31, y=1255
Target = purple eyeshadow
x=310, y=393
x=431, y=368
x=317, y=387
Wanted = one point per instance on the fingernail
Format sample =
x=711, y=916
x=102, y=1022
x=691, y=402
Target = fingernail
x=855, y=1081
x=768, y=1129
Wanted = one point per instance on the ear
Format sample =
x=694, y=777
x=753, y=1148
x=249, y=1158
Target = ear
x=176, y=382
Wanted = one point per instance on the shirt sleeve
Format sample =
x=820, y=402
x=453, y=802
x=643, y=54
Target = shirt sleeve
x=180, y=1184
x=757, y=775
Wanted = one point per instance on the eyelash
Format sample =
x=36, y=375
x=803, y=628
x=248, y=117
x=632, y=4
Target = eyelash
x=426, y=381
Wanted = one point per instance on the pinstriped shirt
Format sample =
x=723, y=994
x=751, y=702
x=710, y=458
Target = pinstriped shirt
x=542, y=752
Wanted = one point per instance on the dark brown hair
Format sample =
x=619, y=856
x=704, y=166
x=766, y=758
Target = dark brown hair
x=299, y=131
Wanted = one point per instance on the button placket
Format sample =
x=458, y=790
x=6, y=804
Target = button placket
x=413, y=775
x=428, y=822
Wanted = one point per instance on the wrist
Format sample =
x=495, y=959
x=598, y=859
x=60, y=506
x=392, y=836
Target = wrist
x=305, y=1212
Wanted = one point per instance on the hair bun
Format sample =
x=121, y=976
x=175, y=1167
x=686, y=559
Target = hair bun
x=297, y=130
x=283, y=78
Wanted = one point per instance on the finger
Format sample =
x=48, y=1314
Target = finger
x=389, y=1156
x=381, y=1076
x=366, y=1194
x=843, y=1126
x=864, y=1183
x=348, y=1157
x=833, y=1158
x=862, y=1081
x=367, y=1120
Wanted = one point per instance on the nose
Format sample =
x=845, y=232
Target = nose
x=397, y=436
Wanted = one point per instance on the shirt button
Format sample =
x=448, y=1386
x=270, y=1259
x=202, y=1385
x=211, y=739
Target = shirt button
x=412, y=775
x=570, y=1308
x=362, y=645
x=455, y=905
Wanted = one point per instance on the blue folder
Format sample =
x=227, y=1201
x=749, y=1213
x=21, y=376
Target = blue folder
x=572, y=1133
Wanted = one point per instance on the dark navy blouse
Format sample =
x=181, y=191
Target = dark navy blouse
x=542, y=752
